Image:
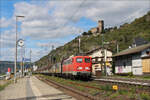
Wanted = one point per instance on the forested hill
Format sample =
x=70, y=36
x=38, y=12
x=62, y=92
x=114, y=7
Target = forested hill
x=123, y=35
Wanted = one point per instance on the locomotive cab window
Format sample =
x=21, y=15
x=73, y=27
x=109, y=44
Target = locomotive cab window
x=79, y=60
x=87, y=60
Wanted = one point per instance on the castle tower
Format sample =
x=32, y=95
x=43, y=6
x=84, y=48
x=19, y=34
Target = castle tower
x=100, y=26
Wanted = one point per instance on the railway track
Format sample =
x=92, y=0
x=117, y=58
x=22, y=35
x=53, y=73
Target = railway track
x=136, y=83
x=97, y=89
x=79, y=95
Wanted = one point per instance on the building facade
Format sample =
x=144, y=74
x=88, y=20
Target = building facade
x=98, y=58
x=134, y=60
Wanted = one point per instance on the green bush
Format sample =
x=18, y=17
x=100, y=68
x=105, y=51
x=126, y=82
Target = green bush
x=122, y=92
x=130, y=74
x=106, y=87
x=145, y=96
x=1, y=87
x=115, y=95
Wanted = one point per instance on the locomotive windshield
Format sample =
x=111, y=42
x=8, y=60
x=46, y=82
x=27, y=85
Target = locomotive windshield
x=87, y=60
x=79, y=60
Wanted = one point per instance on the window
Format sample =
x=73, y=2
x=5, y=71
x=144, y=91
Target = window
x=124, y=64
x=87, y=60
x=79, y=60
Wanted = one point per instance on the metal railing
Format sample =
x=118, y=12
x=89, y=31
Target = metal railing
x=2, y=77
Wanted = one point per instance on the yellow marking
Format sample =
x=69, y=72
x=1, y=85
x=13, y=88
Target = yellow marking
x=115, y=87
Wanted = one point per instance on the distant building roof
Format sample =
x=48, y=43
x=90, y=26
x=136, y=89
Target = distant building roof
x=139, y=41
x=133, y=50
x=96, y=49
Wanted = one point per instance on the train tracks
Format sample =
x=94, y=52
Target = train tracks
x=99, y=89
x=136, y=83
x=79, y=95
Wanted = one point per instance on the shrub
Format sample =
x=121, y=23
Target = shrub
x=145, y=96
x=122, y=92
x=114, y=95
x=106, y=87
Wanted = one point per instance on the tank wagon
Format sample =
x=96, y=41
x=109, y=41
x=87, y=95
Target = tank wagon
x=73, y=67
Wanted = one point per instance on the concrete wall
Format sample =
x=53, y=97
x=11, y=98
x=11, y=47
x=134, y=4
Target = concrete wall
x=137, y=64
x=123, y=64
x=129, y=63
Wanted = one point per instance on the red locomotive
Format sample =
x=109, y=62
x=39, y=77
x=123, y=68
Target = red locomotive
x=77, y=66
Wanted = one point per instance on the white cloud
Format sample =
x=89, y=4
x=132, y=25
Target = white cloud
x=49, y=45
x=7, y=54
x=7, y=39
x=5, y=22
x=55, y=19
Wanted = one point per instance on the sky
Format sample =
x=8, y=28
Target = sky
x=56, y=22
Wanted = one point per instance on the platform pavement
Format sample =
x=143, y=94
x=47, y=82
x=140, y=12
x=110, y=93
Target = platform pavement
x=32, y=89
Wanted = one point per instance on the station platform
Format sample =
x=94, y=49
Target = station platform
x=32, y=89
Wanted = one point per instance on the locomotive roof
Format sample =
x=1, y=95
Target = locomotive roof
x=80, y=56
x=75, y=57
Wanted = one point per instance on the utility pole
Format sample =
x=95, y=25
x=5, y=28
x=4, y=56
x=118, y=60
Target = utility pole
x=23, y=61
x=16, y=42
x=52, y=54
x=30, y=57
x=103, y=50
x=79, y=44
x=104, y=55
x=117, y=47
x=105, y=59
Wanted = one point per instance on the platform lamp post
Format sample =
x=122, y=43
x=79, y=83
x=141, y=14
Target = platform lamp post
x=15, y=64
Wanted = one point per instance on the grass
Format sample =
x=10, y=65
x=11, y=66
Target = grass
x=146, y=77
x=122, y=92
x=145, y=96
x=115, y=95
x=132, y=77
x=104, y=91
x=2, y=87
x=106, y=87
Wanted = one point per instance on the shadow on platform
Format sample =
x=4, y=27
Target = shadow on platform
x=45, y=96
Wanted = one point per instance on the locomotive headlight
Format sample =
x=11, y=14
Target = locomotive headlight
x=79, y=68
x=86, y=67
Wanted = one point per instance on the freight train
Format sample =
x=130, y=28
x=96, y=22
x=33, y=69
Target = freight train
x=73, y=67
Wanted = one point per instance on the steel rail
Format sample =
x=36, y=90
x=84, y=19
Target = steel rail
x=80, y=93
x=146, y=84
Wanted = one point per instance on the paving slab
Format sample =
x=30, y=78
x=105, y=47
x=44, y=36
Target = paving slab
x=45, y=92
x=14, y=91
x=32, y=89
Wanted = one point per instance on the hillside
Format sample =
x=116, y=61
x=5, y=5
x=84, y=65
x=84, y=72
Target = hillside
x=123, y=35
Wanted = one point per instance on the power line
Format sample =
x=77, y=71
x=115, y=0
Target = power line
x=73, y=14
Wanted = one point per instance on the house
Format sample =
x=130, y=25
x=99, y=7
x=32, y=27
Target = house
x=138, y=41
x=98, y=58
x=133, y=60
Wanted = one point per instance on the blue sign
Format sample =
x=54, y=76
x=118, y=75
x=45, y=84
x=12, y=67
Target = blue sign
x=26, y=59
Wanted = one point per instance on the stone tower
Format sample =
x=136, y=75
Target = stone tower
x=100, y=26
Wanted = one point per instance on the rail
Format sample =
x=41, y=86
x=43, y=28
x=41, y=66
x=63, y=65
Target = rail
x=125, y=82
x=74, y=91
x=2, y=77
